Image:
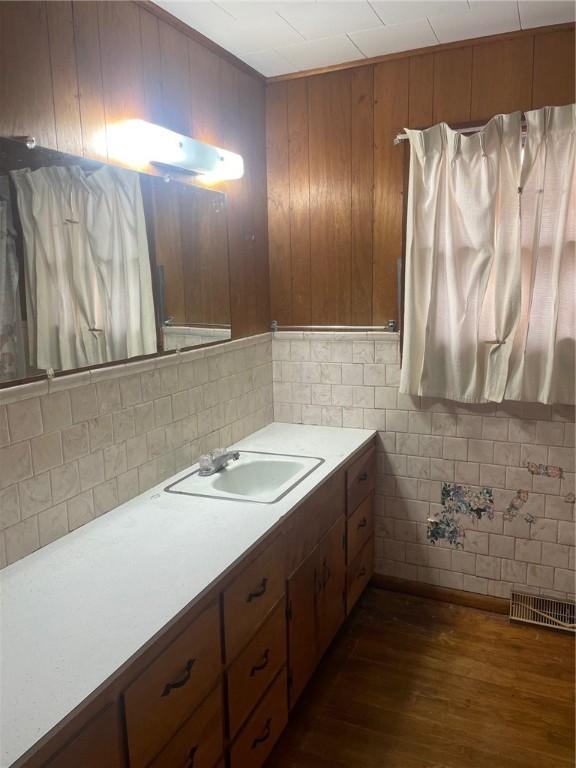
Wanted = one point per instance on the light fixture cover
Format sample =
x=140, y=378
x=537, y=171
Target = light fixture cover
x=140, y=143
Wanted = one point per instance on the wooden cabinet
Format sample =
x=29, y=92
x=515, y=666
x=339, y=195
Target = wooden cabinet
x=360, y=479
x=170, y=689
x=313, y=518
x=217, y=690
x=360, y=485
x=359, y=574
x=99, y=743
x=261, y=732
x=316, y=606
x=331, y=584
x=253, y=670
x=251, y=595
x=360, y=527
x=302, y=653
x=200, y=741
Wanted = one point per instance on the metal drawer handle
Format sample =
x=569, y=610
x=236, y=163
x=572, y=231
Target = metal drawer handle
x=363, y=523
x=180, y=683
x=263, y=664
x=265, y=734
x=363, y=477
x=191, y=756
x=259, y=592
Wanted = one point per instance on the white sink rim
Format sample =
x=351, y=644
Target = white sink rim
x=204, y=485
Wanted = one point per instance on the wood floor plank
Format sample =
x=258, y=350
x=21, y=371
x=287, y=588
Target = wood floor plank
x=414, y=683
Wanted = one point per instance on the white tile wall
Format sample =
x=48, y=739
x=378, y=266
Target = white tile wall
x=78, y=446
x=351, y=380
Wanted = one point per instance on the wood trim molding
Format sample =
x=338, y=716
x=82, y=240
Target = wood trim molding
x=419, y=51
x=443, y=594
x=198, y=37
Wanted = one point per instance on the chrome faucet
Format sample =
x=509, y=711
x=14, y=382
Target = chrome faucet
x=216, y=460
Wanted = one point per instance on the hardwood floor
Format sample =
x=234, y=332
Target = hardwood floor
x=415, y=683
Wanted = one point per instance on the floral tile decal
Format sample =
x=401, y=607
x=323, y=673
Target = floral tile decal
x=516, y=504
x=459, y=500
x=445, y=527
x=548, y=470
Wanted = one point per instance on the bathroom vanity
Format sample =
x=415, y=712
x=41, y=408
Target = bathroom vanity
x=179, y=630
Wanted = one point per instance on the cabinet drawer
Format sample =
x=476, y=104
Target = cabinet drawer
x=256, y=666
x=170, y=689
x=261, y=732
x=99, y=743
x=360, y=479
x=360, y=527
x=200, y=741
x=252, y=595
x=359, y=573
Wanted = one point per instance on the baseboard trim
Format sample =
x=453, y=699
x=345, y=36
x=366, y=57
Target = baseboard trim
x=445, y=595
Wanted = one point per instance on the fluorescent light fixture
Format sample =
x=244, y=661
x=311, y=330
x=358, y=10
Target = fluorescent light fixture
x=139, y=143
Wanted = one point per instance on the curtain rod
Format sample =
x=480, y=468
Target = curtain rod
x=400, y=137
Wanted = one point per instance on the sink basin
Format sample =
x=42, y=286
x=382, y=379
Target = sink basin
x=256, y=477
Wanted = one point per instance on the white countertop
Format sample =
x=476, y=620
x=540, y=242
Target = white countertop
x=75, y=611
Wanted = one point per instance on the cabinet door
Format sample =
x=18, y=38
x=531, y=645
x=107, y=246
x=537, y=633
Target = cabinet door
x=331, y=576
x=302, y=653
x=99, y=743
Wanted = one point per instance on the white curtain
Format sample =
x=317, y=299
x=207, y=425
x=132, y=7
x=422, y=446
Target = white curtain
x=543, y=360
x=473, y=250
x=12, y=361
x=88, y=282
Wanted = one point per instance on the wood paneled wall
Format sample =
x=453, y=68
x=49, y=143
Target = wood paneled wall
x=336, y=180
x=70, y=69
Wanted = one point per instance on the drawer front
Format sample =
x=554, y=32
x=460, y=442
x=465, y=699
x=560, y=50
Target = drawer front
x=252, y=595
x=360, y=479
x=359, y=574
x=313, y=519
x=170, y=689
x=257, y=665
x=261, y=732
x=99, y=743
x=200, y=741
x=360, y=527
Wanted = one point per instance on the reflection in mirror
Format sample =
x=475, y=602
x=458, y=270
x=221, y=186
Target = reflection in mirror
x=100, y=264
x=191, y=246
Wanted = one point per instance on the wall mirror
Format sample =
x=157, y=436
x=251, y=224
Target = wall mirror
x=100, y=264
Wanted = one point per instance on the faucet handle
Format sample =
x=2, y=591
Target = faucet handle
x=205, y=461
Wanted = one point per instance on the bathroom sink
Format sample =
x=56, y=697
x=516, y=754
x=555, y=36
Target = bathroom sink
x=255, y=476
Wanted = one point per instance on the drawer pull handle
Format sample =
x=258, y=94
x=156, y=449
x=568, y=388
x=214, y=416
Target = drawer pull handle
x=191, y=756
x=263, y=664
x=363, y=477
x=180, y=683
x=265, y=734
x=363, y=523
x=361, y=572
x=259, y=592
